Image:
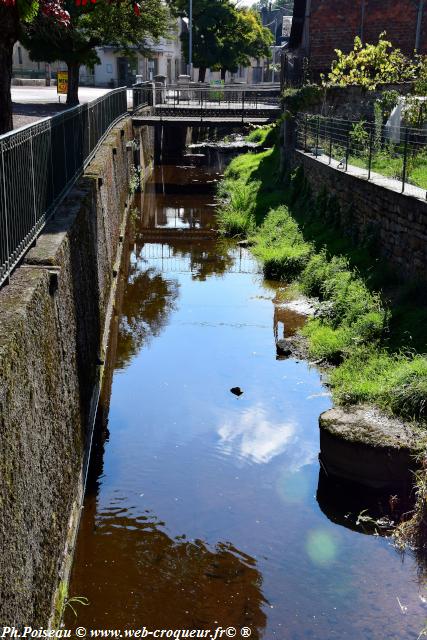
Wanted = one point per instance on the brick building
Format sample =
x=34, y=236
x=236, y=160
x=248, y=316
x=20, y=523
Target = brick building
x=321, y=26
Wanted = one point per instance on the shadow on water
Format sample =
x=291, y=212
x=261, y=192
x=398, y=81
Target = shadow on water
x=356, y=508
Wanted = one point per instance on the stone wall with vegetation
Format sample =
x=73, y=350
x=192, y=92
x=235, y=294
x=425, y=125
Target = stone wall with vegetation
x=351, y=102
x=53, y=328
x=396, y=223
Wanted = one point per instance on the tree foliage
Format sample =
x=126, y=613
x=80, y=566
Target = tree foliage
x=26, y=10
x=244, y=38
x=224, y=36
x=93, y=25
x=371, y=64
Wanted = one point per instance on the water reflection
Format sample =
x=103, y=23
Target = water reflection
x=168, y=581
x=148, y=301
x=255, y=436
x=170, y=200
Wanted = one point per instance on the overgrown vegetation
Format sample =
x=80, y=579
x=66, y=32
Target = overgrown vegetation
x=369, y=325
x=265, y=135
x=371, y=64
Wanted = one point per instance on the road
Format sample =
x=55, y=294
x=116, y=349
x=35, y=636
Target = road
x=33, y=103
x=48, y=95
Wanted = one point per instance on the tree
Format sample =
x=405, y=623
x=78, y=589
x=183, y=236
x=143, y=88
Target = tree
x=244, y=38
x=13, y=15
x=224, y=36
x=210, y=19
x=122, y=24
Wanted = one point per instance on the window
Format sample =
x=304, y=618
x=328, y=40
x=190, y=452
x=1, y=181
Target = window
x=109, y=68
x=19, y=55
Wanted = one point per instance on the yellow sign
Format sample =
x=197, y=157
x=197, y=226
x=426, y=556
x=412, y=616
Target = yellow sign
x=62, y=82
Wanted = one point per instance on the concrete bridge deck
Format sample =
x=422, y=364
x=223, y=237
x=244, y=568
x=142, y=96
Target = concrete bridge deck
x=191, y=120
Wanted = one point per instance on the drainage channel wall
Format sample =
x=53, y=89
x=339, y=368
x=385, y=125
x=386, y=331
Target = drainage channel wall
x=395, y=222
x=54, y=321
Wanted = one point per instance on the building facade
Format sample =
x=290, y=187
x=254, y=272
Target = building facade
x=321, y=26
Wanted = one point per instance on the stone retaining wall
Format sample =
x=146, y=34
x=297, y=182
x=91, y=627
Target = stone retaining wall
x=54, y=319
x=396, y=222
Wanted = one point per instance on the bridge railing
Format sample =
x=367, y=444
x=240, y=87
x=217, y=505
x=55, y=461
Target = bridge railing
x=222, y=96
x=203, y=101
x=38, y=165
x=142, y=95
x=396, y=156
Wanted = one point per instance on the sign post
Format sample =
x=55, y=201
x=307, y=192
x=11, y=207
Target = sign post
x=61, y=83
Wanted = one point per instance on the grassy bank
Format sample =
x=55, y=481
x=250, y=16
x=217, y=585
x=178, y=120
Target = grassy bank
x=370, y=326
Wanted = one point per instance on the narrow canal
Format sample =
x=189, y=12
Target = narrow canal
x=205, y=508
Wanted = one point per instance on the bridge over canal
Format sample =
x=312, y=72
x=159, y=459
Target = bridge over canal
x=195, y=105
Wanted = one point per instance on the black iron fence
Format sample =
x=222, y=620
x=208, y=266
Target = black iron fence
x=171, y=99
x=142, y=95
x=395, y=155
x=40, y=162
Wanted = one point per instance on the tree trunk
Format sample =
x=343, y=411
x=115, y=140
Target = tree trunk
x=202, y=74
x=73, y=84
x=223, y=72
x=9, y=24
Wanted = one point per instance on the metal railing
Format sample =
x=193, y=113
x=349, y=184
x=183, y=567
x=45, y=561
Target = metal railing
x=393, y=155
x=207, y=102
x=196, y=99
x=142, y=95
x=38, y=165
x=165, y=258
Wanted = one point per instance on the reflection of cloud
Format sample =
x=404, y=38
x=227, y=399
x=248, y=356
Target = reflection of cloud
x=255, y=435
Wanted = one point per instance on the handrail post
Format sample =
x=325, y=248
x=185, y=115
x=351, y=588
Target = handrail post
x=305, y=133
x=330, y=140
x=317, y=137
x=405, y=159
x=243, y=106
x=6, y=217
x=347, y=151
x=371, y=141
x=33, y=180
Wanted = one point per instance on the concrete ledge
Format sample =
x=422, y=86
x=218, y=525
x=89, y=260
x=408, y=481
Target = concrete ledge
x=362, y=445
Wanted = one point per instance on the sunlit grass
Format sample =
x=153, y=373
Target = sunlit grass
x=369, y=325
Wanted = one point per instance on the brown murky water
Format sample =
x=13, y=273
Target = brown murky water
x=204, y=508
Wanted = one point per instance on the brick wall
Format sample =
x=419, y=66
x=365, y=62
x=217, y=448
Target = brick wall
x=397, y=222
x=335, y=23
